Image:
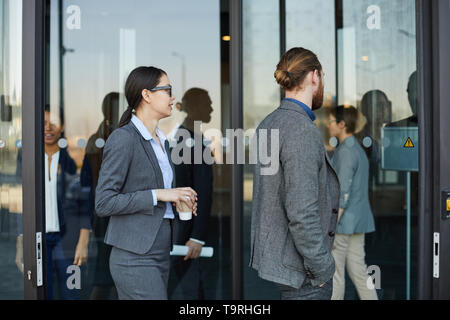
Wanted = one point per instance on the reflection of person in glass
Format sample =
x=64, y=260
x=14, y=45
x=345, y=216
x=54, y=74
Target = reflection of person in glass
x=58, y=209
x=377, y=109
x=411, y=121
x=197, y=104
x=355, y=215
x=103, y=284
x=135, y=189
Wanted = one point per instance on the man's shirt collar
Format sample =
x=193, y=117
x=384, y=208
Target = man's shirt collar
x=308, y=111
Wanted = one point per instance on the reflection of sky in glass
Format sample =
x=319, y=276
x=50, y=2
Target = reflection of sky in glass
x=311, y=25
x=368, y=59
x=11, y=88
x=11, y=53
x=379, y=59
x=151, y=32
x=261, y=55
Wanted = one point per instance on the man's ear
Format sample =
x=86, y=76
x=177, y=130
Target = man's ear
x=315, y=78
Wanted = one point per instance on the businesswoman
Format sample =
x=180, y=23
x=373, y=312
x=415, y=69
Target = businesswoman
x=355, y=217
x=135, y=189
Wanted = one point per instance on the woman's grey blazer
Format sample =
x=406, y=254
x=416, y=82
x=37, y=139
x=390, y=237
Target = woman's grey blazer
x=129, y=172
x=352, y=168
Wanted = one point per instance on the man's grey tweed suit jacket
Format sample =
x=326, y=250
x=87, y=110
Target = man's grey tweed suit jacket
x=294, y=211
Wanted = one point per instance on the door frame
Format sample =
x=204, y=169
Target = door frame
x=33, y=94
x=237, y=170
x=433, y=23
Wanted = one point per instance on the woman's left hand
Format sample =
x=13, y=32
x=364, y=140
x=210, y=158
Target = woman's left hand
x=341, y=212
x=81, y=251
x=81, y=254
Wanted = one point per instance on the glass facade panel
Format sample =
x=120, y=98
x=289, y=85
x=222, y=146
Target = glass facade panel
x=11, y=238
x=261, y=34
x=94, y=45
x=368, y=52
x=377, y=74
x=311, y=25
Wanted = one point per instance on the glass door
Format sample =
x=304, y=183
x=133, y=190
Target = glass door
x=377, y=74
x=93, y=46
x=368, y=52
x=261, y=95
x=11, y=235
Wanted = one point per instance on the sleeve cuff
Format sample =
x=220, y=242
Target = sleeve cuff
x=198, y=241
x=344, y=201
x=155, y=200
x=324, y=276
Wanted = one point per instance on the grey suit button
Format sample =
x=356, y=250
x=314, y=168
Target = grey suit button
x=335, y=211
x=331, y=234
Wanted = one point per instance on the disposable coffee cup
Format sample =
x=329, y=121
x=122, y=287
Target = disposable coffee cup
x=184, y=211
x=185, y=215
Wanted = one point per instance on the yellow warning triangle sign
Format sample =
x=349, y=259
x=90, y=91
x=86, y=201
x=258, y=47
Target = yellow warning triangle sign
x=409, y=144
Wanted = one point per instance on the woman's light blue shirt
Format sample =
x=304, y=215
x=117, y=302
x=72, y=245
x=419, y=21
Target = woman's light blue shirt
x=163, y=160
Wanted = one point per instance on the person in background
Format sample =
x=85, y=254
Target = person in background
x=197, y=104
x=103, y=284
x=355, y=216
x=67, y=228
x=62, y=214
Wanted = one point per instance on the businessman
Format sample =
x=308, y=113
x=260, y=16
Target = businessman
x=295, y=210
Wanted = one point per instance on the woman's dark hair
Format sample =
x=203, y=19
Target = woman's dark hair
x=349, y=115
x=139, y=79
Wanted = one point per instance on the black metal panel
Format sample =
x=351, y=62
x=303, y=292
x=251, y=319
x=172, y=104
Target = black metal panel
x=237, y=193
x=433, y=23
x=425, y=101
x=32, y=138
x=339, y=24
x=441, y=101
x=282, y=36
x=282, y=27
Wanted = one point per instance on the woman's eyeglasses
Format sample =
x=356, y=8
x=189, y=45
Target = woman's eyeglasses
x=168, y=89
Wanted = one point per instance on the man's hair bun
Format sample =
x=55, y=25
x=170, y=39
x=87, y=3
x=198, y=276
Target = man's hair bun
x=294, y=66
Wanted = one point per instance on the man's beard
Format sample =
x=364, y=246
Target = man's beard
x=318, y=97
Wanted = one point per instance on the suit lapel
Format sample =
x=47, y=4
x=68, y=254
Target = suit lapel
x=330, y=164
x=153, y=160
x=151, y=156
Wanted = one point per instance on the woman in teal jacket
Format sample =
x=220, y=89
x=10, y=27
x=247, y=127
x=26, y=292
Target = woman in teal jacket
x=355, y=215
